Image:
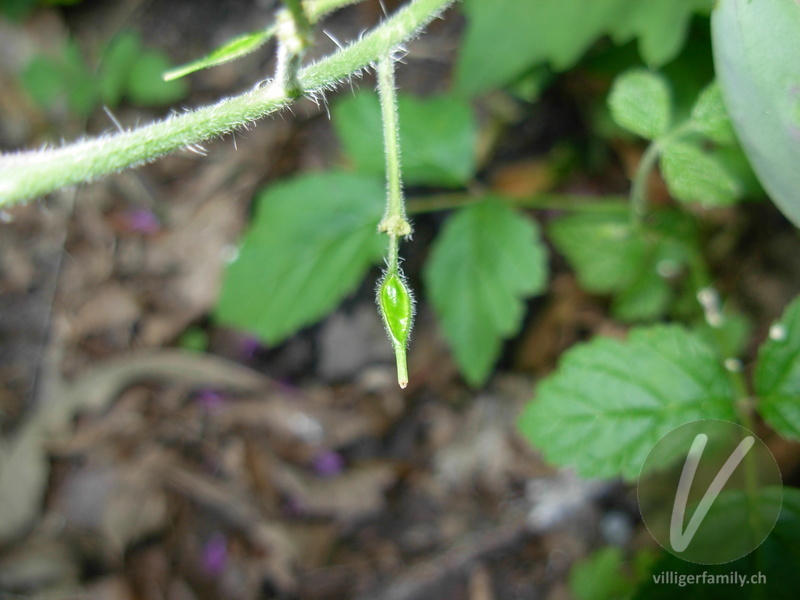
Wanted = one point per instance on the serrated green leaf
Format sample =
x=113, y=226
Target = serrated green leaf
x=437, y=137
x=777, y=375
x=661, y=27
x=710, y=117
x=756, y=48
x=145, y=86
x=311, y=242
x=482, y=266
x=640, y=102
x=610, y=401
x=231, y=50
x=693, y=175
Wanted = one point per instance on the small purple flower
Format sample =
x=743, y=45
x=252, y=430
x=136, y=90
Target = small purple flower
x=141, y=220
x=328, y=463
x=210, y=400
x=215, y=554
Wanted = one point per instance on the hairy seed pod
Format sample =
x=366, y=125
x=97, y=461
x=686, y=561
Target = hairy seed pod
x=396, y=306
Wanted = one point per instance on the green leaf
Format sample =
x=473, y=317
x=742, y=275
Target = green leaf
x=44, y=81
x=80, y=85
x=640, y=102
x=710, y=117
x=609, y=256
x=756, y=49
x=646, y=297
x=661, y=27
x=600, y=577
x=777, y=375
x=311, y=243
x=437, y=137
x=601, y=247
x=145, y=85
x=231, y=50
x=505, y=38
x=610, y=401
x=693, y=175
x=118, y=60
x=482, y=266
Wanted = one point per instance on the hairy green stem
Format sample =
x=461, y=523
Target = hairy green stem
x=395, y=301
x=294, y=37
x=394, y=220
x=30, y=174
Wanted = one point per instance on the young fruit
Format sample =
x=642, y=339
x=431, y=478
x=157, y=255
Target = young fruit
x=396, y=306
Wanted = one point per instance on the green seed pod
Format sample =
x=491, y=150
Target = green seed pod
x=396, y=305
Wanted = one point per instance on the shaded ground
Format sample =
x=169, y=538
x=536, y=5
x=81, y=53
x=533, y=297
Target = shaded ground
x=292, y=472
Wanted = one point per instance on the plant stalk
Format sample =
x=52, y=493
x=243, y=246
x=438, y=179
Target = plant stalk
x=30, y=174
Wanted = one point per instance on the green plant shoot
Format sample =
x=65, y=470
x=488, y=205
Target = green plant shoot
x=395, y=302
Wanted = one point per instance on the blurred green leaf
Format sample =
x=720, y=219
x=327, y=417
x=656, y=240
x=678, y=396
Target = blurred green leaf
x=646, y=297
x=693, y=175
x=482, y=266
x=437, y=137
x=82, y=88
x=610, y=401
x=601, y=247
x=600, y=577
x=44, y=81
x=310, y=244
x=661, y=27
x=636, y=266
x=710, y=117
x=640, y=102
x=231, y=50
x=119, y=58
x=777, y=375
x=145, y=85
x=507, y=38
